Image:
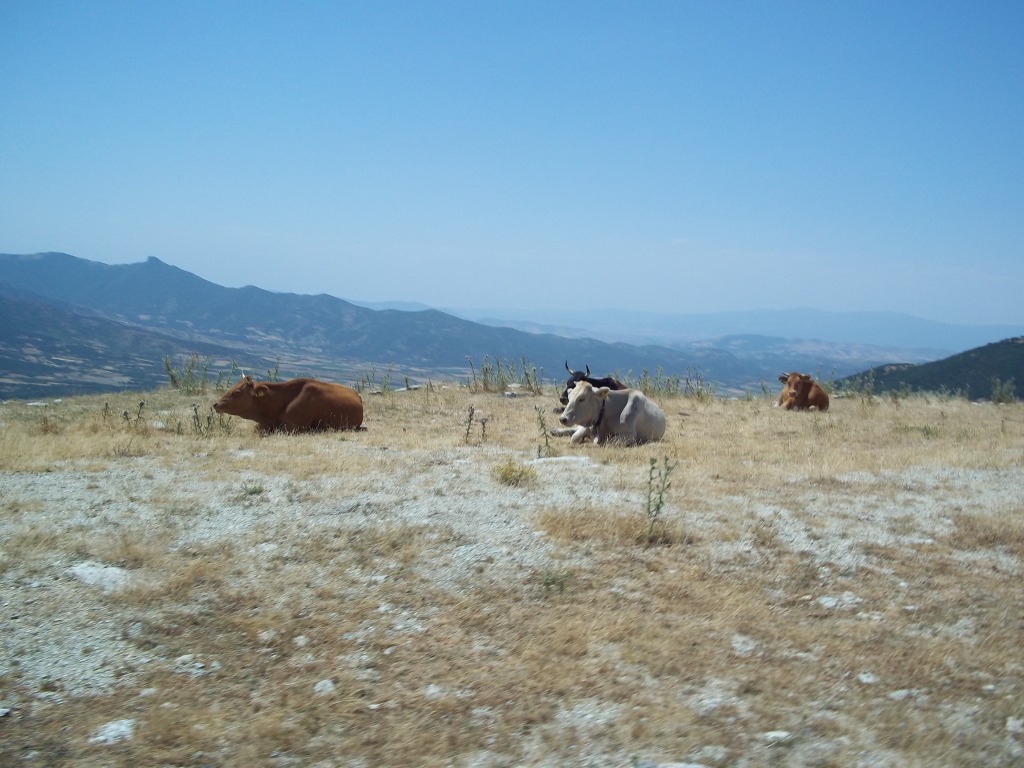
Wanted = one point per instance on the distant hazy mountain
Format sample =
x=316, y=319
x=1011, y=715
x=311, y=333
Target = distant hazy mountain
x=884, y=330
x=152, y=309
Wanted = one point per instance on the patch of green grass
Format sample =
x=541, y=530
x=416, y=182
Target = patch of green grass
x=513, y=473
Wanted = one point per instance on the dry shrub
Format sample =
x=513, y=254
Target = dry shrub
x=581, y=524
x=178, y=579
x=50, y=427
x=993, y=531
x=131, y=547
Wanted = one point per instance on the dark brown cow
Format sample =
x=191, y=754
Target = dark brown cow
x=802, y=393
x=296, y=405
x=575, y=377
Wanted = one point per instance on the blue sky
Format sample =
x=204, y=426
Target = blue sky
x=680, y=156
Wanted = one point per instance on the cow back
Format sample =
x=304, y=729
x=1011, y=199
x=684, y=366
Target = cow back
x=631, y=414
x=316, y=404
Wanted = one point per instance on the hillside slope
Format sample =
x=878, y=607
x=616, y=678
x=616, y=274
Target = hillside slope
x=50, y=351
x=971, y=373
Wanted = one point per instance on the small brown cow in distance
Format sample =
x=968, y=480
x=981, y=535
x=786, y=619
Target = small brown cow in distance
x=802, y=393
x=296, y=405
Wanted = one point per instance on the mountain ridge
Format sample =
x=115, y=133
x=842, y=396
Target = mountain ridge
x=332, y=337
x=257, y=322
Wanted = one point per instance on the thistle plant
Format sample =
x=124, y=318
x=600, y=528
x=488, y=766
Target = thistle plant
x=192, y=377
x=657, y=485
x=469, y=422
x=544, y=435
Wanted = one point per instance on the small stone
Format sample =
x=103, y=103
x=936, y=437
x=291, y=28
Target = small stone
x=324, y=688
x=742, y=645
x=711, y=753
x=845, y=600
x=109, y=578
x=867, y=678
x=114, y=732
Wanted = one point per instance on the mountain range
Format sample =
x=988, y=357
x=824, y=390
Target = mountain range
x=73, y=325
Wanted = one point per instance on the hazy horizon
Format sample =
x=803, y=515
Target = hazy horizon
x=681, y=158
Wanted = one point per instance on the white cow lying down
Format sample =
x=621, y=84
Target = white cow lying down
x=607, y=414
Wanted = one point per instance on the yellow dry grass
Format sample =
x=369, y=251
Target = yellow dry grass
x=825, y=589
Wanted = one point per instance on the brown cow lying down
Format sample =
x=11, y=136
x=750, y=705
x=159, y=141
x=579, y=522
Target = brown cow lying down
x=296, y=405
x=802, y=393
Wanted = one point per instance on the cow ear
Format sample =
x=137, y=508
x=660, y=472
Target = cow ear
x=783, y=378
x=260, y=390
x=602, y=392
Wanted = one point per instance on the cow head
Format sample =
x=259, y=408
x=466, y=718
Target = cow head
x=585, y=405
x=574, y=378
x=241, y=399
x=797, y=386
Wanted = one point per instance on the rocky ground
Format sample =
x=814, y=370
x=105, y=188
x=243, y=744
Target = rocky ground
x=376, y=581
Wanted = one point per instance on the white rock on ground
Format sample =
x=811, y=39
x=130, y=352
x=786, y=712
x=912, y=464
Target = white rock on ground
x=114, y=732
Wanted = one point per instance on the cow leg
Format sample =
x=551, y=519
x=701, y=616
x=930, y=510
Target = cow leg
x=296, y=415
x=628, y=420
x=581, y=434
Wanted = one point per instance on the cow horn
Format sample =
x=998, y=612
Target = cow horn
x=570, y=370
x=588, y=370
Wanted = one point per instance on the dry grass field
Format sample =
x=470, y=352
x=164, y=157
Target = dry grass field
x=453, y=589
